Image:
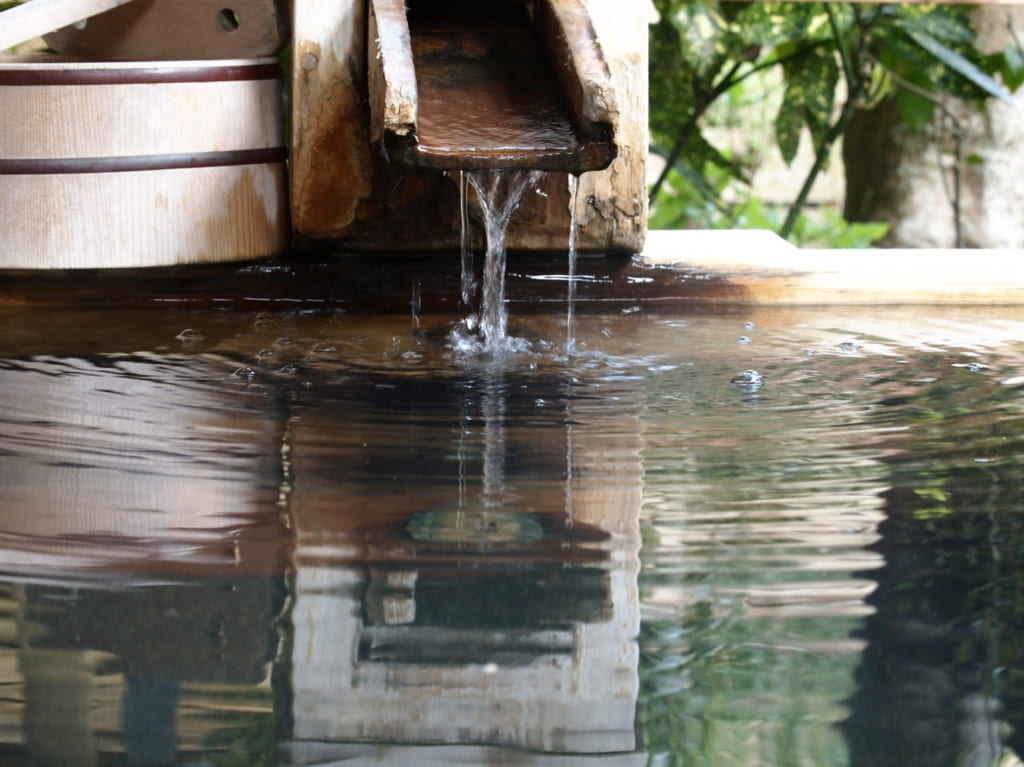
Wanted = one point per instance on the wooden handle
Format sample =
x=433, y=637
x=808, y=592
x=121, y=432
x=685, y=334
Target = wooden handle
x=37, y=17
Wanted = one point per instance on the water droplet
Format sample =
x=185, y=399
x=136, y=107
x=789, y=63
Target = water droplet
x=324, y=348
x=849, y=347
x=246, y=373
x=188, y=335
x=744, y=339
x=539, y=402
x=631, y=310
x=412, y=355
x=749, y=325
x=284, y=341
x=976, y=367
x=747, y=378
x=263, y=353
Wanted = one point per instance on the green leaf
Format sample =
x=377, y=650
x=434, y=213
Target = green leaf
x=959, y=64
x=943, y=22
x=915, y=110
x=788, y=125
x=809, y=99
x=1012, y=68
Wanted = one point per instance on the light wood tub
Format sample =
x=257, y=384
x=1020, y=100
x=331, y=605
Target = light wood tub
x=140, y=163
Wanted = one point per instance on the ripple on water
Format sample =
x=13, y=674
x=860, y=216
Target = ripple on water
x=130, y=460
x=765, y=512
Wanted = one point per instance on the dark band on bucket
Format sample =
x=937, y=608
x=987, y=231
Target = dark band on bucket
x=67, y=165
x=139, y=75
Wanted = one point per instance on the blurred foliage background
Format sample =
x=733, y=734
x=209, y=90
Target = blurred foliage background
x=732, y=83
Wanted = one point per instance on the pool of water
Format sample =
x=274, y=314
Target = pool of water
x=314, y=536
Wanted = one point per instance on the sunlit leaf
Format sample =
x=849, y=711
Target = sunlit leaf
x=959, y=64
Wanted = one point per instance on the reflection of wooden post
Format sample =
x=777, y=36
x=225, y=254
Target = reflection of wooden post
x=362, y=583
x=58, y=685
x=342, y=190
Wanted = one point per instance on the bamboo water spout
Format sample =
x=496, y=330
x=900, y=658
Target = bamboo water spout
x=387, y=100
x=495, y=87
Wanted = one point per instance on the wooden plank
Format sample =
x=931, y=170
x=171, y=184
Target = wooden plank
x=392, y=75
x=580, y=65
x=613, y=214
x=122, y=120
x=140, y=164
x=145, y=218
x=331, y=160
x=177, y=29
x=38, y=17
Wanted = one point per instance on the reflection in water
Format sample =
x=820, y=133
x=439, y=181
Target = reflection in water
x=314, y=538
x=443, y=586
x=943, y=647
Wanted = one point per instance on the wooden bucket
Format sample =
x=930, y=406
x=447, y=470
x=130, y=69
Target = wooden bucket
x=131, y=164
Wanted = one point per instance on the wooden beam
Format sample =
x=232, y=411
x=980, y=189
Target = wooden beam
x=177, y=29
x=37, y=17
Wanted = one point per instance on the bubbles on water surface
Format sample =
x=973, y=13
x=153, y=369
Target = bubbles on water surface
x=748, y=378
x=188, y=335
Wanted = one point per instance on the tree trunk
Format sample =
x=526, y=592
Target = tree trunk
x=959, y=182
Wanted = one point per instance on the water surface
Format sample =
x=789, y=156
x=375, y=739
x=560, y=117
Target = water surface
x=317, y=536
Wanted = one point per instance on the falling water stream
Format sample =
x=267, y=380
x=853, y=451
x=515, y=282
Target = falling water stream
x=500, y=193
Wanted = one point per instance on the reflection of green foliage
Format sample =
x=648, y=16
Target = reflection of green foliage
x=703, y=52
x=722, y=685
x=721, y=689
x=252, y=742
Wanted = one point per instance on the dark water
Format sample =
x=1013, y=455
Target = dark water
x=318, y=537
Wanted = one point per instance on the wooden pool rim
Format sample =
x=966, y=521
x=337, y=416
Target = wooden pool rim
x=718, y=271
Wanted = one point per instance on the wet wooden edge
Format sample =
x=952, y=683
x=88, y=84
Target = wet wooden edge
x=368, y=284
x=678, y=271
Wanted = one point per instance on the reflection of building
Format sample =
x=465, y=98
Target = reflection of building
x=475, y=594
x=464, y=575
x=142, y=553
